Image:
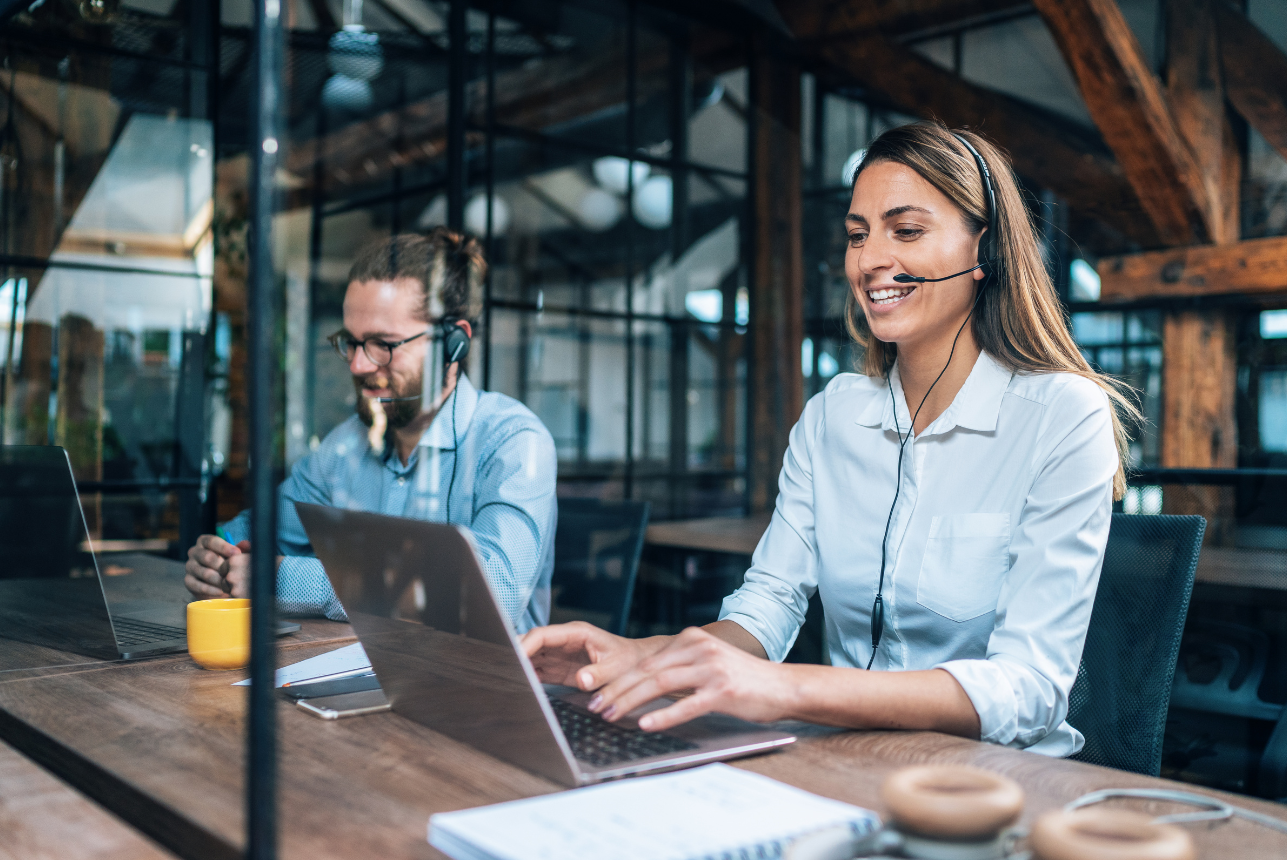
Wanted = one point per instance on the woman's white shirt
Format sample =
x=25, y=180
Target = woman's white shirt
x=994, y=549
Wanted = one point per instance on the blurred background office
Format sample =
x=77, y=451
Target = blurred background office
x=659, y=186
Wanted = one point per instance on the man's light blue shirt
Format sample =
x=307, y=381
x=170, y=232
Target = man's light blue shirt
x=486, y=463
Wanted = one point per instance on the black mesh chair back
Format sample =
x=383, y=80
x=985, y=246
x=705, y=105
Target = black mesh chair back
x=596, y=556
x=1123, y=688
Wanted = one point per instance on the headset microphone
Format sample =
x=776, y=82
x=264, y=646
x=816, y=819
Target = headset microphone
x=912, y=279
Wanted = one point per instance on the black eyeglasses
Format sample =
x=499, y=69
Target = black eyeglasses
x=380, y=352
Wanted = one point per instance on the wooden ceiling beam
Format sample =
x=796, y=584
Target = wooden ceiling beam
x=1195, y=93
x=1043, y=149
x=1126, y=101
x=1253, y=267
x=1255, y=75
x=829, y=19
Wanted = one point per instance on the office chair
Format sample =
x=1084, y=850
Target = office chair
x=596, y=556
x=1123, y=688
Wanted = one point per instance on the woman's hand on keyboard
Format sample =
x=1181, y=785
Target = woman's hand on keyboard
x=581, y=655
x=722, y=676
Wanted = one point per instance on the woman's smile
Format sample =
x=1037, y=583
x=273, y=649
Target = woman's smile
x=887, y=296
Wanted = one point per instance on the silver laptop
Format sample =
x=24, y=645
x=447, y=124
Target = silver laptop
x=447, y=657
x=52, y=592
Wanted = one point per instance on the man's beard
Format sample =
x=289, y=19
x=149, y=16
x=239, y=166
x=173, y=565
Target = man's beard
x=398, y=413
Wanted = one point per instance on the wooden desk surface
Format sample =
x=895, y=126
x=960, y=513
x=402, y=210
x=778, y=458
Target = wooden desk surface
x=715, y=534
x=41, y=818
x=161, y=743
x=1247, y=568
x=129, y=577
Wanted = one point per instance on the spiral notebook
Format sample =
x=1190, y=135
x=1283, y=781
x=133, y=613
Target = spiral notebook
x=712, y=811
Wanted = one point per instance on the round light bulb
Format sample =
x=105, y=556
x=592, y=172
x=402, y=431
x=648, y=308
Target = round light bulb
x=653, y=202
x=340, y=92
x=611, y=171
x=598, y=210
x=476, y=215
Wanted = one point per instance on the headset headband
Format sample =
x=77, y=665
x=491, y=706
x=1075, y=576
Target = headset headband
x=988, y=247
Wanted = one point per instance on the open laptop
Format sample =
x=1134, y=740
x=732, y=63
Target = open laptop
x=52, y=592
x=447, y=657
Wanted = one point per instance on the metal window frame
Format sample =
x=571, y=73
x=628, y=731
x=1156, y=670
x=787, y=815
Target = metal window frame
x=455, y=182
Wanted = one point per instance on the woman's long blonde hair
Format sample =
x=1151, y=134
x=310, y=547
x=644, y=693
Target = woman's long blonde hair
x=1019, y=320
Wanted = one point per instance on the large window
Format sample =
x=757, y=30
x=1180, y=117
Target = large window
x=604, y=167
x=107, y=161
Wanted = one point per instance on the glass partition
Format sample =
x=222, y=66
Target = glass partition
x=107, y=249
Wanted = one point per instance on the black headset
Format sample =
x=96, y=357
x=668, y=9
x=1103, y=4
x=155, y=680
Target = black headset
x=455, y=346
x=988, y=258
x=455, y=343
x=989, y=262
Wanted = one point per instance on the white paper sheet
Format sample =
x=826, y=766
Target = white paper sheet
x=340, y=663
x=712, y=811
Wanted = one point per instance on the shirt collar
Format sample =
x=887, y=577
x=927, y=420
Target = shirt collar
x=976, y=406
x=452, y=420
x=881, y=411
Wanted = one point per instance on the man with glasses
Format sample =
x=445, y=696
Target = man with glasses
x=424, y=443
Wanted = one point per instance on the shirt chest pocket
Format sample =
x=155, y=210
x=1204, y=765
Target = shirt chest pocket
x=965, y=562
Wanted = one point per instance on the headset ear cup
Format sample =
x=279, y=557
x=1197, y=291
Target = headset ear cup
x=455, y=343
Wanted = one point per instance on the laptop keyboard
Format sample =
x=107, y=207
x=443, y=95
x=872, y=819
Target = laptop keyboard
x=601, y=743
x=130, y=631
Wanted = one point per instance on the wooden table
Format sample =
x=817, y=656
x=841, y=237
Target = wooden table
x=738, y=535
x=160, y=743
x=1245, y=568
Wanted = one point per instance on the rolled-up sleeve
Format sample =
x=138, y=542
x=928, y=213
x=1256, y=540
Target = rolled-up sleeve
x=1020, y=689
x=514, y=519
x=774, y=596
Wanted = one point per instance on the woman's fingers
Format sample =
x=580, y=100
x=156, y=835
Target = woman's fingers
x=556, y=637
x=580, y=655
x=692, y=647
x=655, y=685
x=554, y=655
x=690, y=708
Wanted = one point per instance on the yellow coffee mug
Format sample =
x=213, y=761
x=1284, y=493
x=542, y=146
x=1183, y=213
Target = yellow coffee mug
x=219, y=633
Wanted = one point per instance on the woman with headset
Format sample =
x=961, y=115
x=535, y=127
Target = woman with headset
x=950, y=503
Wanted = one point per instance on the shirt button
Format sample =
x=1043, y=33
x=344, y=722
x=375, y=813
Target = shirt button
x=402, y=482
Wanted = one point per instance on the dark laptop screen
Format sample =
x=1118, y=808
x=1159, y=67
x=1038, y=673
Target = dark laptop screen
x=41, y=526
x=50, y=593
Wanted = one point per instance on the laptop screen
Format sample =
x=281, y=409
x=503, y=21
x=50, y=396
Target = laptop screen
x=50, y=592
x=41, y=526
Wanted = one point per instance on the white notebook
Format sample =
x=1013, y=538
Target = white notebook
x=711, y=811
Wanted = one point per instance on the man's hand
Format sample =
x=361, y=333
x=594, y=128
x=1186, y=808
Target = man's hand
x=217, y=568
